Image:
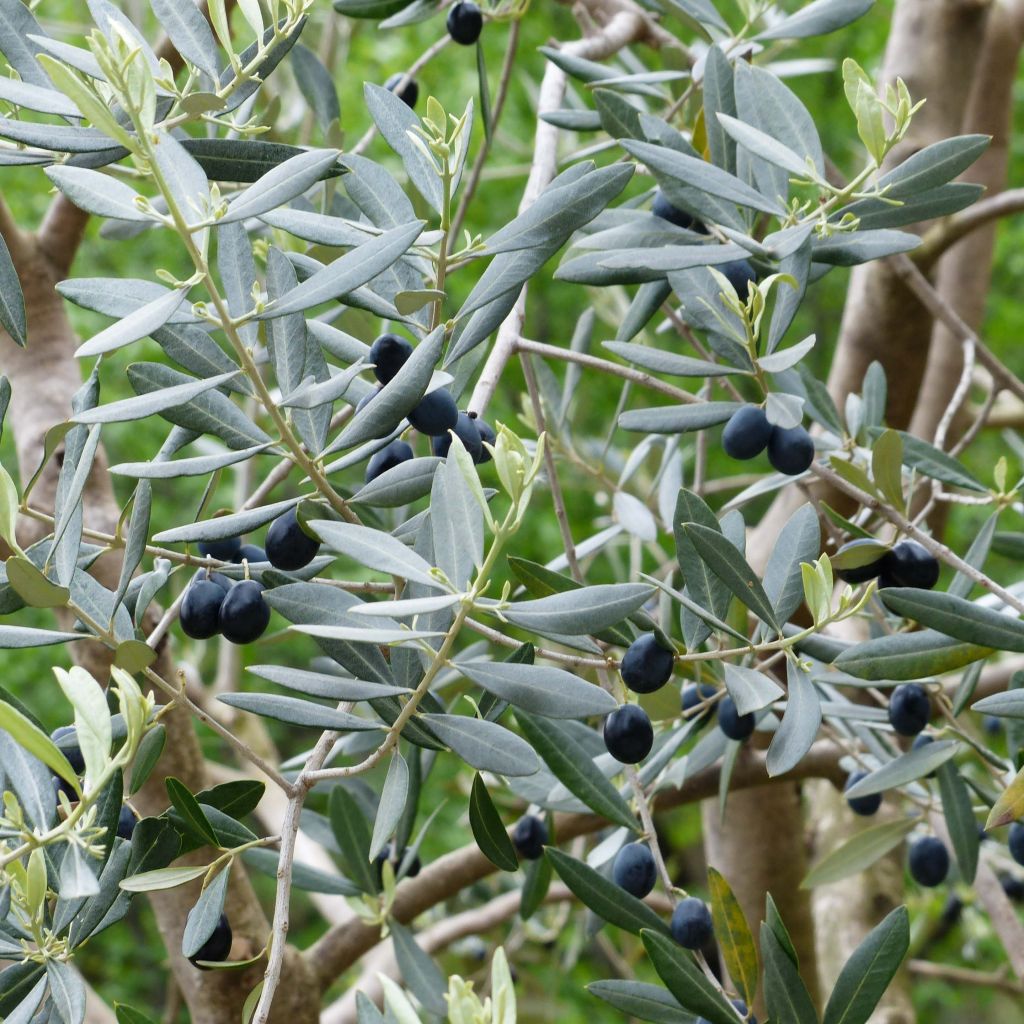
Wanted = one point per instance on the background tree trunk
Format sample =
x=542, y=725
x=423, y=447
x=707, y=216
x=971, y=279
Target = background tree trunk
x=759, y=847
x=965, y=272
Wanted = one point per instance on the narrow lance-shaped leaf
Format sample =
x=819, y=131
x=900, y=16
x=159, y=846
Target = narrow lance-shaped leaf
x=733, y=934
x=858, y=852
x=960, y=820
x=604, y=897
x=488, y=828
x=867, y=974
x=686, y=981
x=204, y=916
x=391, y=805
x=800, y=723
x=575, y=769
x=732, y=569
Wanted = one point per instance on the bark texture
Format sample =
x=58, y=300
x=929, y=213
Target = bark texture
x=771, y=819
x=965, y=272
x=881, y=320
x=846, y=911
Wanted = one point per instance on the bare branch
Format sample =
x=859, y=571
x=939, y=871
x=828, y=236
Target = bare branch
x=605, y=366
x=948, y=232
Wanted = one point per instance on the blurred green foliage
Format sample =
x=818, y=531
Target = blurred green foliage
x=128, y=962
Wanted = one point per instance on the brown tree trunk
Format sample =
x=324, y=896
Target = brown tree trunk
x=965, y=272
x=846, y=911
x=881, y=320
x=759, y=848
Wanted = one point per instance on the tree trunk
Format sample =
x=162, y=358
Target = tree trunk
x=881, y=320
x=759, y=848
x=965, y=273
x=846, y=911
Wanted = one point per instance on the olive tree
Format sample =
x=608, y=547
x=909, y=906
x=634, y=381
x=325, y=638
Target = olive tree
x=786, y=666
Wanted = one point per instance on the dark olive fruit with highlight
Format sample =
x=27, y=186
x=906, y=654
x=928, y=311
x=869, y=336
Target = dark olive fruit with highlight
x=731, y=722
x=928, y=861
x=865, y=806
x=739, y=274
x=387, y=458
x=408, y=93
x=467, y=432
x=910, y=564
x=389, y=354
x=71, y=750
x=860, y=573
x=790, y=450
x=1015, y=841
x=436, y=413
x=747, y=433
x=628, y=734
x=244, y=615
x=216, y=948
x=251, y=553
x=634, y=869
x=692, y=695
x=289, y=547
x=691, y=923
x=487, y=437
x=661, y=207
x=126, y=822
x=530, y=836
x=222, y=581
x=387, y=854
x=465, y=23
x=646, y=665
x=909, y=709
x=199, y=614
x=224, y=550
x=368, y=398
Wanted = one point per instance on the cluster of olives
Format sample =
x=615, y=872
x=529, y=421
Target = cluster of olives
x=928, y=859
x=646, y=667
x=436, y=414
x=906, y=564
x=748, y=433
x=214, y=604
x=634, y=871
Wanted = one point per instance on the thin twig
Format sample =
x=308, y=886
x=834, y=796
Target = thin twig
x=282, y=899
x=605, y=366
x=485, y=147
x=929, y=297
